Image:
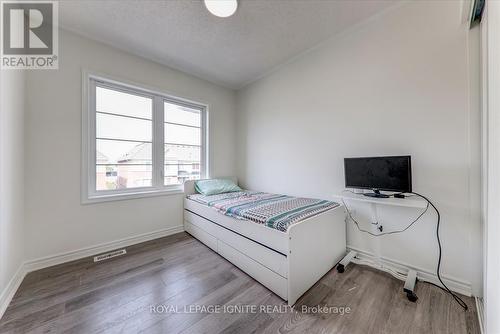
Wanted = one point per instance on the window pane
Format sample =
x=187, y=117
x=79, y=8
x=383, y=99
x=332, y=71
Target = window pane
x=123, y=152
x=178, y=154
x=116, y=102
x=182, y=115
x=177, y=174
x=112, y=177
x=116, y=127
x=178, y=134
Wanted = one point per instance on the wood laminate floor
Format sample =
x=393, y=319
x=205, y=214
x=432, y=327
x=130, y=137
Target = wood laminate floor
x=157, y=286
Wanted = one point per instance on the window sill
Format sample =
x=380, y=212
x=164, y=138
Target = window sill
x=99, y=198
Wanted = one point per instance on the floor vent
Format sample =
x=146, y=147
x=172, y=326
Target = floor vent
x=109, y=255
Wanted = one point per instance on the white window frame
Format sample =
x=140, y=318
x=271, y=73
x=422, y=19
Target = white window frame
x=88, y=175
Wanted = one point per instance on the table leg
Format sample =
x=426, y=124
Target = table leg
x=345, y=261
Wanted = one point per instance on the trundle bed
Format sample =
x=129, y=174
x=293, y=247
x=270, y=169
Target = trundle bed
x=287, y=261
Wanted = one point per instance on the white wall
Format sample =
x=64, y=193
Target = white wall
x=56, y=221
x=397, y=84
x=12, y=95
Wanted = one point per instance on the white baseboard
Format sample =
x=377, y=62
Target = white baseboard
x=52, y=260
x=11, y=288
x=454, y=284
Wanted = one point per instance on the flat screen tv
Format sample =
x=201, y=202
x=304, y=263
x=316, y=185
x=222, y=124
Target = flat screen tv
x=378, y=173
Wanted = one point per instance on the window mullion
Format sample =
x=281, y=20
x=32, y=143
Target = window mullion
x=158, y=150
x=205, y=168
x=92, y=137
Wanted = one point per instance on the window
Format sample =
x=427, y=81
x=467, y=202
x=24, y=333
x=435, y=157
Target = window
x=138, y=142
x=183, y=147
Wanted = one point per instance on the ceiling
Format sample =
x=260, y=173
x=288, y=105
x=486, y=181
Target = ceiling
x=231, y=52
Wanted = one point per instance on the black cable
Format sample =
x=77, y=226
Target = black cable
x=384, y=233
x=444, y=287
x=457, y=298
x=436, y=285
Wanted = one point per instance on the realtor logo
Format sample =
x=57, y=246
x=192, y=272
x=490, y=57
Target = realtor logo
x=29, y=35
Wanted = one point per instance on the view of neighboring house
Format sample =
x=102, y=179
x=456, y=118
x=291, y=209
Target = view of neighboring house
x=134, y=169
x=103, y=172
x=182, y=162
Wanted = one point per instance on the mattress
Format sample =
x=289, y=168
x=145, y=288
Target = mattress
x=274, y=211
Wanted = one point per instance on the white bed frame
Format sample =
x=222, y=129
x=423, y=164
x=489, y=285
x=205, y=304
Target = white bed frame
x=287, y=263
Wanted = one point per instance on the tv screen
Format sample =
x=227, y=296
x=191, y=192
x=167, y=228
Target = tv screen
x=381, y=173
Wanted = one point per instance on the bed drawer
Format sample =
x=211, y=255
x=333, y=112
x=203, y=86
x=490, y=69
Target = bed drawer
x=202, y=223
x=273, y=281
x=201, y=235
x=271, y=259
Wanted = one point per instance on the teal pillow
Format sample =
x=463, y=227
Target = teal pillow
x=215, y=186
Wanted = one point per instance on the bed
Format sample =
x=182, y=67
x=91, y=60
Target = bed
x=286, y=256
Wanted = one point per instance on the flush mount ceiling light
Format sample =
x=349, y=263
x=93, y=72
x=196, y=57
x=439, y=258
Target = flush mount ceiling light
x=221, y=8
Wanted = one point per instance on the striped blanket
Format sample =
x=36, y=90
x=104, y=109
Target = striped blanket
x=275, y=211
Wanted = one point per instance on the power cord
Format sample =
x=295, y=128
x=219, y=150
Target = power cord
x=438, y=269
x=383, y=233
x=429, y=203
